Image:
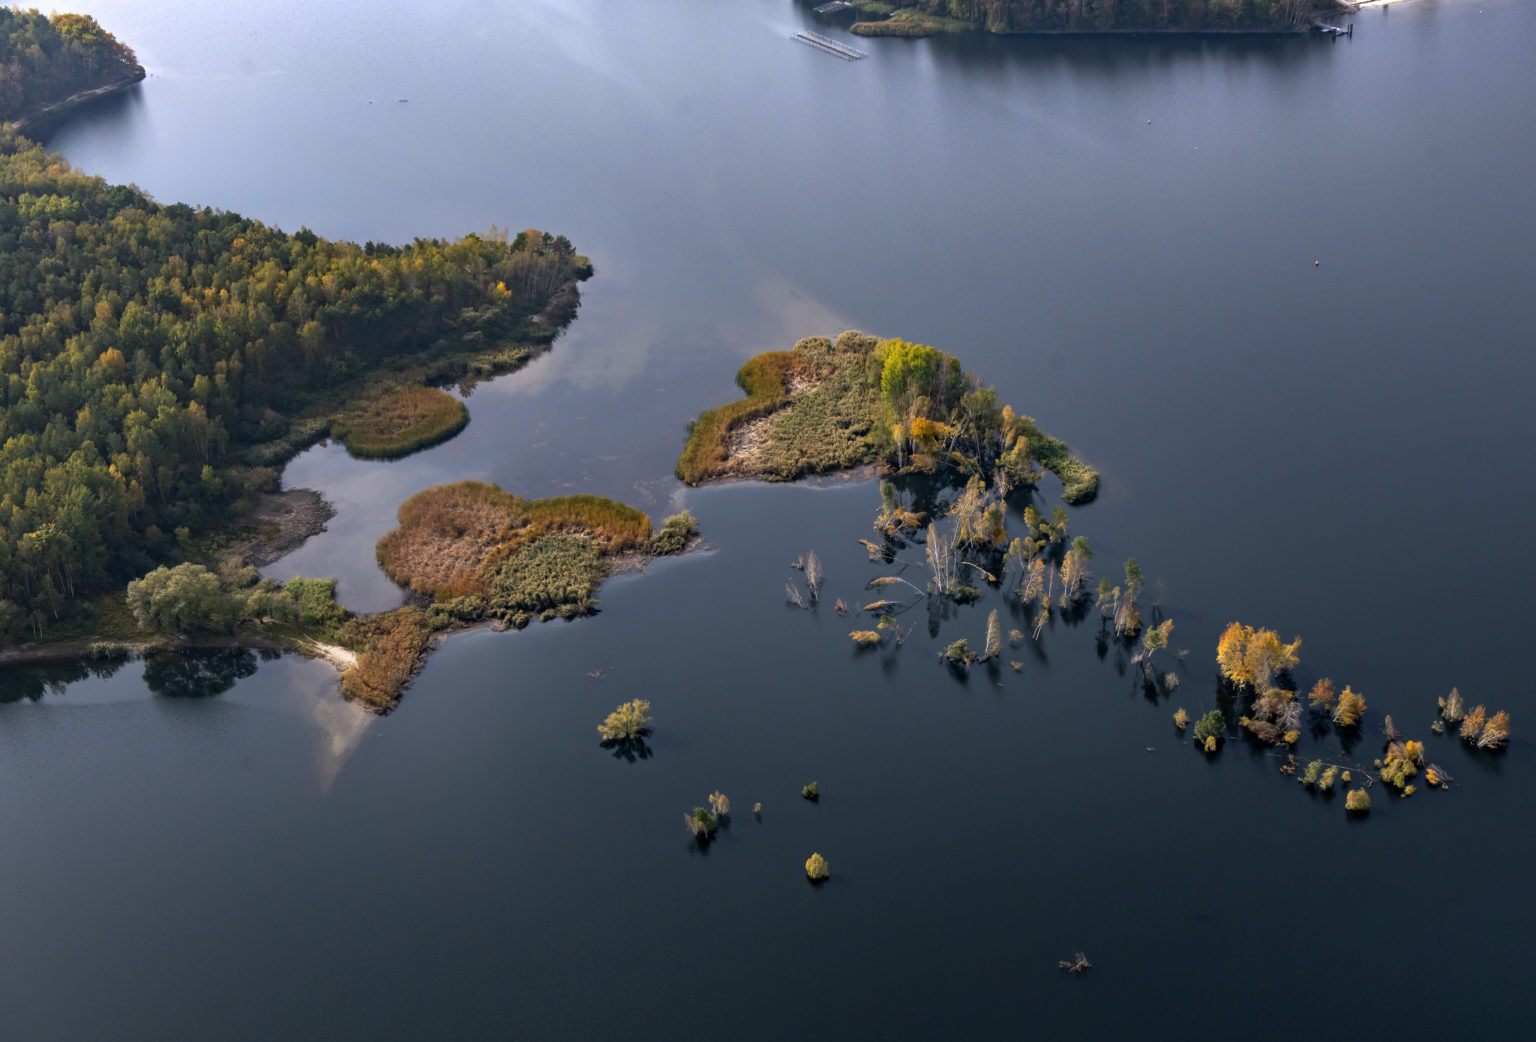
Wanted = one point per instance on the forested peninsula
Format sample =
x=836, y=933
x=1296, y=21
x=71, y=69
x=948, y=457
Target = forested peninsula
x=50, y=62
x=928, y=17
x=159, y=362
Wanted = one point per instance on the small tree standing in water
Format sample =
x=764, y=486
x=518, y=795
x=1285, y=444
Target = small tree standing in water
x=701, y=823
x=629, y=722
x=813, y=575
x=719, y=804
x=816, y=868
x=994, y=646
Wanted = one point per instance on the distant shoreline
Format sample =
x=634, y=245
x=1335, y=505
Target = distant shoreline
x=22, y=125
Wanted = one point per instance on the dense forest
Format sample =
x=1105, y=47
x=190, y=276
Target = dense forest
x=46, y=58
x=154, y=359
x=1014, y=16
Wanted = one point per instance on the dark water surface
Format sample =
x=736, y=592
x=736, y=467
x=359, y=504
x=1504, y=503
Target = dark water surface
x=1334, y=450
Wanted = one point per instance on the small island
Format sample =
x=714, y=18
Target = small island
x=399, y=422
x=1089, y=17
x=860, y=401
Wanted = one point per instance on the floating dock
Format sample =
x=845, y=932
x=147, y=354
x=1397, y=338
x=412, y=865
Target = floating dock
x=821, y=43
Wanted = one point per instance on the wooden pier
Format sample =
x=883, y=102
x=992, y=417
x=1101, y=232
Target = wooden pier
x=821, y=43
x=835, y=5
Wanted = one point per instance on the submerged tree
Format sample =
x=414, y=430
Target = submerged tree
x=1357, y=801
x=1452, y=708
x=1322, y=695
x=1210, y=728
x=1484, y=731
x=627, y=723
x=813, y=575
x=701, y=823
x=994, y=645
x=816, y=868
x=1350, y=709
x=1127, y=617
x=719, y=804
x=1254, y=658
x=1074, y=574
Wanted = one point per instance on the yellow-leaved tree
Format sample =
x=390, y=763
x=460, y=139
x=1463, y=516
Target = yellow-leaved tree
x=1253, y=658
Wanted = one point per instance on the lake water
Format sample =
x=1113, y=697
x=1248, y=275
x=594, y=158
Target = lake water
x=1121, y=235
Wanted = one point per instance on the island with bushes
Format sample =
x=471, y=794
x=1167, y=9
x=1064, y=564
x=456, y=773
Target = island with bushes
x=859, y=400
x=930, y=17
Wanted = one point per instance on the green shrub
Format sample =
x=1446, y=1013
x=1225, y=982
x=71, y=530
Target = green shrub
x=676, y=532
x=316, y=599
x=811, y=791
x=1211, y=725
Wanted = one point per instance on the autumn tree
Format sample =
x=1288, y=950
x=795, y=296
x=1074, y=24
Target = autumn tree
x=1452, y=708
x=994, y=645
x=629, y=722
x=1472, y=724
x=1322, y=695
x=816, y=868
x=1350, y=709
x=1253, y=658
x=1495, y=731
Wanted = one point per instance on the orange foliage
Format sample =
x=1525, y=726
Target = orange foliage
x=390, y=651
x=1252, y=658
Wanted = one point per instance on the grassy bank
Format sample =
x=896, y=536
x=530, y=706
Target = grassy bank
x=400, y=422
x=897, y=21
x=833, y=405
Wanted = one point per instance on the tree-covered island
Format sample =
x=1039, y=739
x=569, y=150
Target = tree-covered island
x=929, y=17
x=48, y=63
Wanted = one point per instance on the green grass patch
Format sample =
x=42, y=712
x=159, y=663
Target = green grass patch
x=552, y=572
x=1079, y=481
x=399, y=422
x=905, y=22
x=765, y=378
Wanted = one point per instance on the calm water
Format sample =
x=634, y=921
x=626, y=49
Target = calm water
x=222, y=849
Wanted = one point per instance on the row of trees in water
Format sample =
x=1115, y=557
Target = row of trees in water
x=155, y=358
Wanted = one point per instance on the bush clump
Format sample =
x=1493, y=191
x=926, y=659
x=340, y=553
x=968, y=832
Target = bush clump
x=811, y=791
x=390, y=649
x=816, y=868
x=676, y=533
x=1357, y=801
